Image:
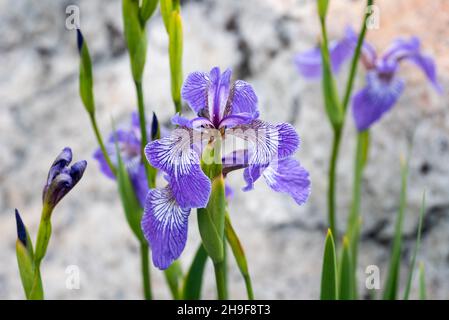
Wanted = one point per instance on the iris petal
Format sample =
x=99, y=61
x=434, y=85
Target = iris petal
x=267, y=141
x=376, y=98
x=194, y=90
x=288, y=176
x=175, y=155
x=164, y=225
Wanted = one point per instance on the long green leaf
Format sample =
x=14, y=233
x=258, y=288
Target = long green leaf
x=422, y=282
x=329, y=272
x=346, y=273
x=85, y=75
x=239, y=254
x=391, y=286
x=131, y=205
x=194, y=278
x=416, y=249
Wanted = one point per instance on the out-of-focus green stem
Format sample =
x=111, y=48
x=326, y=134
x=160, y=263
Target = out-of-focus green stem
x=355, y=60
x=150, y=172
x=339, y=129
x=146, y=277
x=331, y=194
x=93, y=121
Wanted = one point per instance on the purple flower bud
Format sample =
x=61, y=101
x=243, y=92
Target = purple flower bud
x=155, y=128
x=79, y=39
x=21, y=231
x=62, y=178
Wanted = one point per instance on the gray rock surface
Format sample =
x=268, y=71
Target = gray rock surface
x=41, y=112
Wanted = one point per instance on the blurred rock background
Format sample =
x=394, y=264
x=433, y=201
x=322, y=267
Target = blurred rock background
x=40, y=113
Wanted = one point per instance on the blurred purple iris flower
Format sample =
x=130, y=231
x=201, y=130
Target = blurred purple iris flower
x=129, y=144
x=62, y=178
x=229, y=110
x=383, y=87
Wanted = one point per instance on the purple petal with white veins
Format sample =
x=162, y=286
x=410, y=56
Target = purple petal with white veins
x=175, y=155
x=194, y=90
x=243, y=99
x=251, y=175
x=288, y=176
x=371, y=102
x=218, y=93
x=164, y=225
x=288, y=140
x=266, y=141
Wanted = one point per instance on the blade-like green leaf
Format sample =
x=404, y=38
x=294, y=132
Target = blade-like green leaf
x=329, y=272
x=85, y=75
x=147, y=9
x=131, y=205
x=25, y=263
x=194, y=279
x=422, y=282
x=239, y=254
x=416, y=249
x=346, y=273
x=173, y=275
x=391, y=286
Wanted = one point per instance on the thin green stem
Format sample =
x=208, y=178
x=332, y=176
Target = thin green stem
x=143, y=131
x=146, y=278
x=101, y=143
x=331, y=194
x=220, y=278
x=355, y=60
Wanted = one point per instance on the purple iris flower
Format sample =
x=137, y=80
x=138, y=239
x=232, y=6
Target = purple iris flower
x=62, y=178
x=229, y=110
x=383, y=87
x=129, y=146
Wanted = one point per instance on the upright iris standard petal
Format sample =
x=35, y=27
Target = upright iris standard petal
x=164, y=225
x=218, y=94
x=371, y=102
x=242, y=99
x=175, y=155
x=194, y=90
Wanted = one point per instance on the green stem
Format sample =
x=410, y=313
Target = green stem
x=101, y=143
x=220, y=278
x=355, y=60
x=144, y=254
x=331, y=195
x=143, y=131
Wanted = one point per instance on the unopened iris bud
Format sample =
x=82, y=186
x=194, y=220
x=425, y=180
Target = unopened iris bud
x=21, y=231
x=62, y=178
